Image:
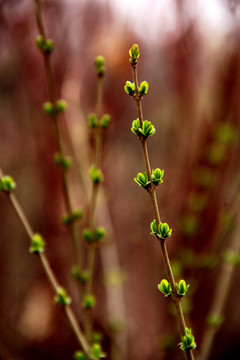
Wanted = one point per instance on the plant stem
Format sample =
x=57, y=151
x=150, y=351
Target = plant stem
x=48, y=271
x=221, y=293
x=93, y=202
x=55, y=117
x=152, y=191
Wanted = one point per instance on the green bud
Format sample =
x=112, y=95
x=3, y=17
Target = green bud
x=7, y=184
x=164, y=231
x=92, y=121
x=142, y=180
x=48, y=46
x=96, y=352
x=165, y=288
x=40, y=42
x=226, y=133
x=154, y=227
x=134, y=54
x=79, y=355
x=215, y=320
x=88, y=302
x=95, y=175
x=100, y=65
x=232, y=257
x=99, y=234
x=37, y=244
x=67, y=219
x=97, y=337
x=188, y=341
x=105, y=121
x=143, y=88
x=61, y=298
x=216, y=153
x=48, y=108
x=88, y=236
x=129, y=88
x=136, y=127
x=147, y=129
x=61, y=106
x=134, y=51
x=157, y=176
x=182, y=288
x=65, y=162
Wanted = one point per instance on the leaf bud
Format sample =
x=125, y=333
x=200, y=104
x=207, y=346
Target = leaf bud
x=143, y=88
x=100, y=65
x=7, y=184
x=61, y=298
x=79, y=355
x=48, y=108
x=96, y=175
x=188, y=341
x=37, y=244
x=182, y=288
x=164, y=231
x=61, y=106
x=65, y=162
x=165, y=288
x=88, y=302
x=105, y=121
x=92, y=121
x=157, y=176
x=129, y=88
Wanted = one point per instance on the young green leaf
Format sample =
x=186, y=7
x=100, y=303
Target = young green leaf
x=147, y=129
x=182, y=288
x=136, y=127
x=7, y=184
x=164, y=231
x=157, y=176
x=143, y=88
x=165, y=288
x=129, y=88
x=142, y=180
x=188, y=341
x=37, y=244
x=61, y=298
x=154, y=227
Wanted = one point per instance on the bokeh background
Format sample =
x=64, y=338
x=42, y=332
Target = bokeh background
x=190, y=55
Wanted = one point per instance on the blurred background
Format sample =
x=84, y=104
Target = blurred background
x=190, y=55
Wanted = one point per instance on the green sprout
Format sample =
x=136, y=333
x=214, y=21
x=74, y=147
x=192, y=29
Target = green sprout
x=64, y=162
x=142, y=180
x=182, y=288
x=67, y=219
x=89, y=302
x=7, y=184
x=96, y=175
x=92, y=121
x=162, y=231
x=105, y=121
x=165, y=288
x=143, y=88
x=61, y=298
x=100, y=65
x=96, y=352
x=134, y=54
x=129, y=88
x=37, y=244
x=146, y=130
x=157, y=176
x=188, y=341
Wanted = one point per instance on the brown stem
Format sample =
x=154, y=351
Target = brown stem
x=48, y=271
x=152, y=192
x=53, y=98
